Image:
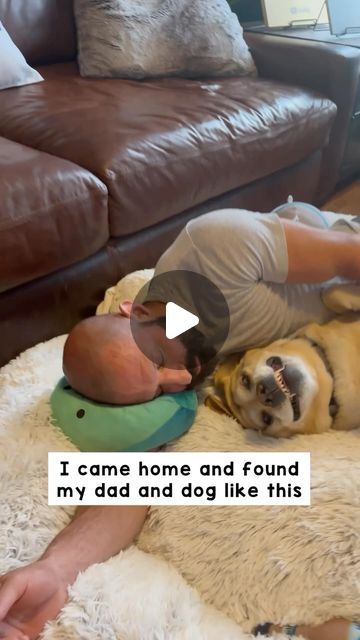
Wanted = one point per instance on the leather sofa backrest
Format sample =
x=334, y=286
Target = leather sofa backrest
x=44, y=30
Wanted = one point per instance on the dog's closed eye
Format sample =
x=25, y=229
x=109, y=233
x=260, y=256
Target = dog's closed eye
x=246, y=381
x=267, y=418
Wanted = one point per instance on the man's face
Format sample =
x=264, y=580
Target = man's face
x=164, y=371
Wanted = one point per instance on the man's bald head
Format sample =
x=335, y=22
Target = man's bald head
x=103, y=362
x=95, y=357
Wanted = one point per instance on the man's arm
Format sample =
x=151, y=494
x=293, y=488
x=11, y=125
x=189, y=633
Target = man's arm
x=94, y=535
x=32, y=595
x=317, y=255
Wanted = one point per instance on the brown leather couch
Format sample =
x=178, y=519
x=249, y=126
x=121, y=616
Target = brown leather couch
x=98, y=176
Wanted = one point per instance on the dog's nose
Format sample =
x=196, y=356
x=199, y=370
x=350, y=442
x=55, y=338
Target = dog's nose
x=268, y=391
x=275, y=363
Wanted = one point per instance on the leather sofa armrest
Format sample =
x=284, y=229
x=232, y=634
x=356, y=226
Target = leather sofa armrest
x=330, y=69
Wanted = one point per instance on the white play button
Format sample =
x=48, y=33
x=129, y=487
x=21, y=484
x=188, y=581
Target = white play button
x=195, y=309
x=178, y=320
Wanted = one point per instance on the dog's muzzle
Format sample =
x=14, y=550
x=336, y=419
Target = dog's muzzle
x=283, y=383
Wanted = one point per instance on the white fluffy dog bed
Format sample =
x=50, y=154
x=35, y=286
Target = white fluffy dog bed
x=251, y=563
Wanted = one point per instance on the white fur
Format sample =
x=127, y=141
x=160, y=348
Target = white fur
x=133, y=596
x=253, y=564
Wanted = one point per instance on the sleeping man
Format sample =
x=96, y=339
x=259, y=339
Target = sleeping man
x=272, y=269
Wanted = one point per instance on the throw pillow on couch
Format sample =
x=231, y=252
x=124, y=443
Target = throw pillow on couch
x=14, y=70
x=149, y=38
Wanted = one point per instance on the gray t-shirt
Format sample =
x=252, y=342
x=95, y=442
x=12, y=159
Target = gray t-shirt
x=245, y=255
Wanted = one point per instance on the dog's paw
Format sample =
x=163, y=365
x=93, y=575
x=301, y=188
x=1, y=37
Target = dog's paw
x=342, y=297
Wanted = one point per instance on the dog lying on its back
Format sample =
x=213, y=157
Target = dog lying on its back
x=307, y=383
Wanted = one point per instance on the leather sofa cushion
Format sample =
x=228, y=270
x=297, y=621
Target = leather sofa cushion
x=44, y=30
x=52, y=214
x=164, y=146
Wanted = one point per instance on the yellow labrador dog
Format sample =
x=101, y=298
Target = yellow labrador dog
x=307, y=383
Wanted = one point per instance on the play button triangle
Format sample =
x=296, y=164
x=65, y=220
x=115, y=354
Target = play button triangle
x=178, y=320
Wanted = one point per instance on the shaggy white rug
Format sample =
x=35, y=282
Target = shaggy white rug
x=134, y=596
x=251, y=563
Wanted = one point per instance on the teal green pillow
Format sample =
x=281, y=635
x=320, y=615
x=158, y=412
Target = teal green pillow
x=92, y=426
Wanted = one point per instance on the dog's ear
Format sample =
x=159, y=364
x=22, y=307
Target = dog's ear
x=222, y=376
x=224, y=370
x=216, y=404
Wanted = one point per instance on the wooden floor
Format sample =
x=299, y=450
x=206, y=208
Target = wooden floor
x=345, y=201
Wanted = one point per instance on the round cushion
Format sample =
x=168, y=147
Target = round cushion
x=92, y=426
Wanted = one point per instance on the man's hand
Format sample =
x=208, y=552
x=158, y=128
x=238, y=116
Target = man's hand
x=29, y=597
